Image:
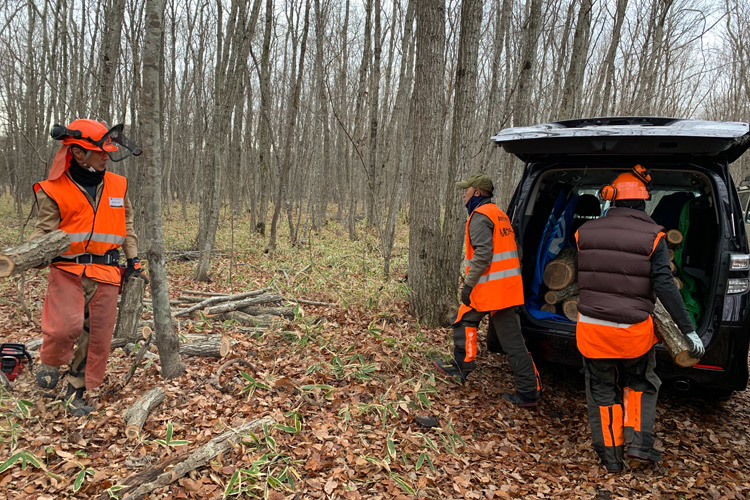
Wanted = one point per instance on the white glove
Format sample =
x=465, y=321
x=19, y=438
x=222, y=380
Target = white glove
x=696, y=345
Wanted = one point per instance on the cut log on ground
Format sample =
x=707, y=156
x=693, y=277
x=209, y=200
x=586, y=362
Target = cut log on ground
x=570, y=308
x=248, y=319
x=142, y=483
x=34, y=253
x=287, y=312
x=240, y=304
x=220, y=299
x=213, y=346
x=557, y=296
x=130, y=309
x=136, y=415
x=561, y=272
x=674, y=237
x=671, y=337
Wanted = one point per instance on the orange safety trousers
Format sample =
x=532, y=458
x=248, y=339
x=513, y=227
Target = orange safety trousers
x=621, y=419
x=63, y=319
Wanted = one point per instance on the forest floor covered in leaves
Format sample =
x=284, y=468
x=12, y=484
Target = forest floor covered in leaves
x=343, y=384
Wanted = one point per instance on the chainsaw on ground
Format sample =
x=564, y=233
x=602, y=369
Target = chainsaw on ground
x=13, y=357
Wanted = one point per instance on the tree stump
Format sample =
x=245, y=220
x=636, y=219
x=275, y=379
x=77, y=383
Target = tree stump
x=557, y=296
x=671, y=337
x=130, y=309
x=136, y=415
x=34, y=253
x=562, y=271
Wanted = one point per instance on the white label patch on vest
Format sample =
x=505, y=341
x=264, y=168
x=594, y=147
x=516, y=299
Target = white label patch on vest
x=116, y=202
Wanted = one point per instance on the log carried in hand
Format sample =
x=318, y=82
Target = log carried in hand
x=136, y=415
x=557, y=296
x=561, y=271
x=671, y=337
x=34, y=253
x=130, y=309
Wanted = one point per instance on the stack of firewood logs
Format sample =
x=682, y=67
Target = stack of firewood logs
x=560, y=277
x=674, y=239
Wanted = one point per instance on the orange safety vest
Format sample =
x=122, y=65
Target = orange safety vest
x=598, y=338
x=500, y=285
x=91, y=230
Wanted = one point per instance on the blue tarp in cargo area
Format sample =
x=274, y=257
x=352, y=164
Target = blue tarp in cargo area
x=555, y=237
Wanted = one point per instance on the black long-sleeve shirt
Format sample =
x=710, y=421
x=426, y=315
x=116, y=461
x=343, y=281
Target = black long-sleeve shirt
x=666, y=290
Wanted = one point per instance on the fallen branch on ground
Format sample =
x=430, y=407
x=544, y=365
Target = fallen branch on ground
x=142, y=483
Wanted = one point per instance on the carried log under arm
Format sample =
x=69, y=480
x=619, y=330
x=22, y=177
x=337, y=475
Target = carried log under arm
x=130, y=309
x=34, y=253
x=671, y=337
x=142, y=483
x=136, y=415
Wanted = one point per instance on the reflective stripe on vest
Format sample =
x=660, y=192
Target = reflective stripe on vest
x=91, y=231
x=500, y=285
x=598, y=338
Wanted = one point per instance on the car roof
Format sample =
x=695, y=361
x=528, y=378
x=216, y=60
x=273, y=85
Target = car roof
x=644, y=136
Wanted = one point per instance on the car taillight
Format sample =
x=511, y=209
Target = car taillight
x=739, y=262
x=738, y=285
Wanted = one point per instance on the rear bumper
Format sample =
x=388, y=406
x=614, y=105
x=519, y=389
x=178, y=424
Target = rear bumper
x=724, y=368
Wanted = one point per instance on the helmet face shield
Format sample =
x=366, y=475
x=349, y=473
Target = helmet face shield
x=112, y=141
x=117, y=145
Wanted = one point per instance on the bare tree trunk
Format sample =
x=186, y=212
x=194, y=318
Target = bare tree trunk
x=460, y=154
x=399, y=137
x=430, y=300
x=291, y=124
x=109, y=54
x=373, y=169
x=603, y=90
x=165, y=338
x=572, y=92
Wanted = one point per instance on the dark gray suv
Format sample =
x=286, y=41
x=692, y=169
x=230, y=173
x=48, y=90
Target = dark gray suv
x=692, y=194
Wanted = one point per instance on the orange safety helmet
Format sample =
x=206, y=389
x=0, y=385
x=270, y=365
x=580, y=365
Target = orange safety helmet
x=633, y=185
x=85, y=133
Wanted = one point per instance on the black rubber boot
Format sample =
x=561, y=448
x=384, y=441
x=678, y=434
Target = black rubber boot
x=523, y=400
x=47, y=376
x=77, y=405
x=649, y=455
x=451, y=370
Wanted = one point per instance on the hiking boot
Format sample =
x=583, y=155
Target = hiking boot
x=76, y=405
x=523, y=401
x=613, y=467
x=452, y=370
x=644, y=455
x=47, y=376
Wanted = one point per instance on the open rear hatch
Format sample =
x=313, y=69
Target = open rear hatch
x=567, y=162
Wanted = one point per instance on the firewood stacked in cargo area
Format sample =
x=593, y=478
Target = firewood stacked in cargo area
x=674, y=240
x=561, y=279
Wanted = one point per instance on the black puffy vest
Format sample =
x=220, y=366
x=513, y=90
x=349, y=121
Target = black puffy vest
x=614, y=267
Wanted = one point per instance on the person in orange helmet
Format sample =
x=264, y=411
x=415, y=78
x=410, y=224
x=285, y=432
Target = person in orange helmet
x=623, y=260
x=91, y=204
